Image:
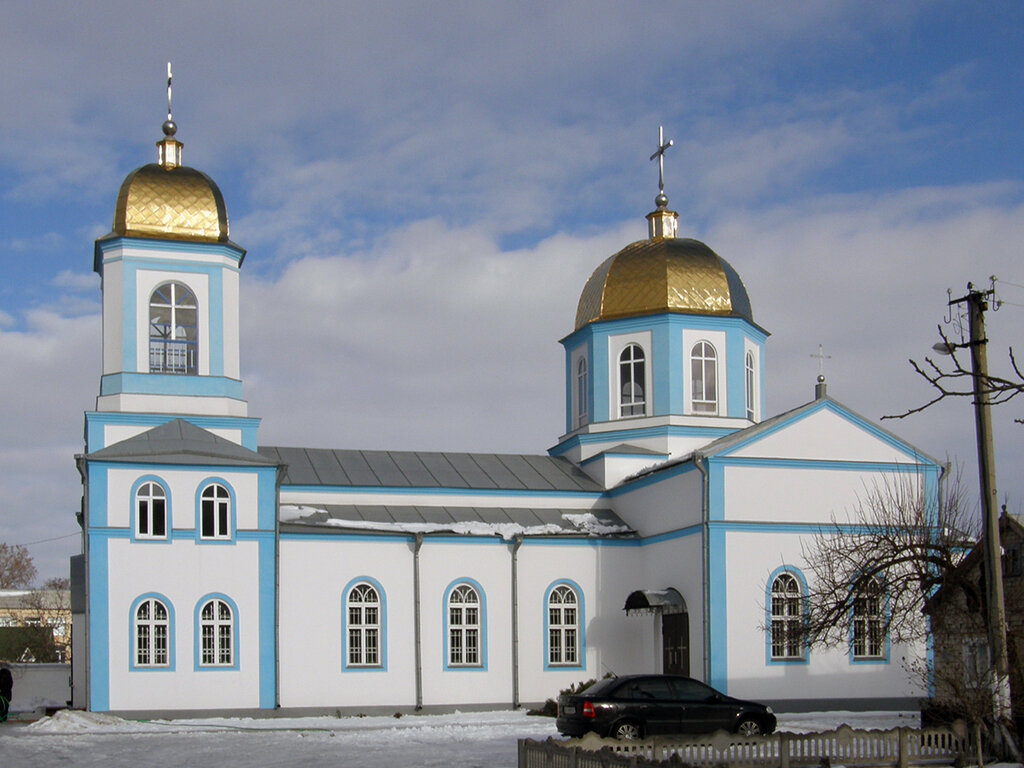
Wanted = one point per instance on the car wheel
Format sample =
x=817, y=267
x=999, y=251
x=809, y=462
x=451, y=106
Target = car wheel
x=627, y=730
x=748, y=726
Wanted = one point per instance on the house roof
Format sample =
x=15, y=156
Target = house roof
x=180, y=442
x=415, y=469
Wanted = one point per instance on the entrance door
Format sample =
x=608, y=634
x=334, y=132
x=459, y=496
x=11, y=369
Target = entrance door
x=675, y=643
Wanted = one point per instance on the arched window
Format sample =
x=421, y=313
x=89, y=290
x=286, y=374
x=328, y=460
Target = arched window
x=216, y=634
x=215, y=513
x=152, y=634
x=563, y=626
x=364, y=626
x=704, y=378
x=868, y=620
x=787, y=618
x=750, y=385
x=631, y=381
x=173, y=330
x=464, y=627
x=581, y=392
x=150, y=512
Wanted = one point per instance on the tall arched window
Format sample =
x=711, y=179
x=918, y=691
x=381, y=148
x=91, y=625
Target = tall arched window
x=750, y=385
x=216, y=634
x=364, y=624
x=581, y=392
x=868, y=620
x=631, y=381
x=173, y=330
x=464, y=627
x=563, y=626
x=215, y=513
x=150, y=512
x=787, y=618
x=704, y=378
x=152, y=634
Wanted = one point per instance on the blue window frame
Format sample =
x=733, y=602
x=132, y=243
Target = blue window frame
x=151, y=633
x=465, y=625
x=216, y=633
x=564, y=626
x=786, y=616
x=151, y=510
x=364, y=624
x=215, y=512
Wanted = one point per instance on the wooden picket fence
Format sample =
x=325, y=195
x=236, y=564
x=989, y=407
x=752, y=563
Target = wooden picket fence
x=898, y=748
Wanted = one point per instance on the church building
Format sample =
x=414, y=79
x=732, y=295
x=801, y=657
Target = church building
x=662, y=532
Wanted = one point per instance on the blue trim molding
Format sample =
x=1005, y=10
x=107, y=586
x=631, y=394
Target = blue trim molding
x=232, y=512
x=169, y=667
x=796, y=573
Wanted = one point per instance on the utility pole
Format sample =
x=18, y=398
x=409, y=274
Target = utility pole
x=977, y=303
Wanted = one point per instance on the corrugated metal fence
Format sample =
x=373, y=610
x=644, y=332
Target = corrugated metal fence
x=900, y=748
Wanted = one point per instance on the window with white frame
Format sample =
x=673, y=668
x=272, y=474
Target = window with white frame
x=563, y=626
x=868, y=620
x=216, y=634
x=787, y=619
x=151, y=511
x=704, y=378
x=173, y=330
x=464, y=627
x=215, y=512
x=364, y=623
x=632, y=381
x=581, y=392
x=152, y=634
x=750, y=385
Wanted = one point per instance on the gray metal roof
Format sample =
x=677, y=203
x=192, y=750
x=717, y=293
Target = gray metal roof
x=180, y=442
x=414, y=469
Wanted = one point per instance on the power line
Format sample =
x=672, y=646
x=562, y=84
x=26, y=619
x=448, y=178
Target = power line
x=44, y=541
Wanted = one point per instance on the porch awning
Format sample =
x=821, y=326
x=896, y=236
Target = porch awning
x=661, y=601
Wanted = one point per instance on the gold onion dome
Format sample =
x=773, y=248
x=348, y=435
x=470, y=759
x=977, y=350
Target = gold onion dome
x=170, y=201
x=663, y=274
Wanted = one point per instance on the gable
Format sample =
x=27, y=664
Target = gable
x=824, y=432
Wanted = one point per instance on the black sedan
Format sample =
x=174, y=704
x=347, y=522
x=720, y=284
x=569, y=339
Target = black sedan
x=636, y=706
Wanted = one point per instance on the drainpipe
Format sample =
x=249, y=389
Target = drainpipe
x=698, y=462
x=416, y=619
x=83, y=470
x=517, y=542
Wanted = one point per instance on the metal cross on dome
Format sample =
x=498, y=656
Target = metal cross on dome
x=168, y=90
x=660, y=155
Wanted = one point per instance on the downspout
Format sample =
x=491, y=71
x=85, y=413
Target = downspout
x=517, y=542
x=698, y=462
x=282, y=469
x=83, y=470
x=416, y=619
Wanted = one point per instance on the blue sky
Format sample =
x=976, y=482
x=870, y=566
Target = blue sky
x=423, y=190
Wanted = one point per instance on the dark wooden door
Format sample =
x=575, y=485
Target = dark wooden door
x=675, y=643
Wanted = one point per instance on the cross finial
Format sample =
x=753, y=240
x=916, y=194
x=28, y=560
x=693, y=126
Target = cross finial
x=822, y=357
x=660, y=155
x=168, y=90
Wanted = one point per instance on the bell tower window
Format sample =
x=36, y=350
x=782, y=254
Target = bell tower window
x=173, y=330
x=631, y=381
x=581, y=392
x=703, y=378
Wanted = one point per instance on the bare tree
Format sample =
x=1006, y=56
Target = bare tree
x=50, y=606
x=899, y=544
x=17, y=571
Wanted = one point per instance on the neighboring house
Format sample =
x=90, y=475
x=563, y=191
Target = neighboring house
x=663, y=532
x=959, y=628
x=35, y=625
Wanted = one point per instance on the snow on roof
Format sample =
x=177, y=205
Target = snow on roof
x=571, y=523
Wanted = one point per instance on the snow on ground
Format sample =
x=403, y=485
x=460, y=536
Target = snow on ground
x=458, y=740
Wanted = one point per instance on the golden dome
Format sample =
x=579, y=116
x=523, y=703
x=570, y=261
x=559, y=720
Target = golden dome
x=663, y=274
x=175, y=203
